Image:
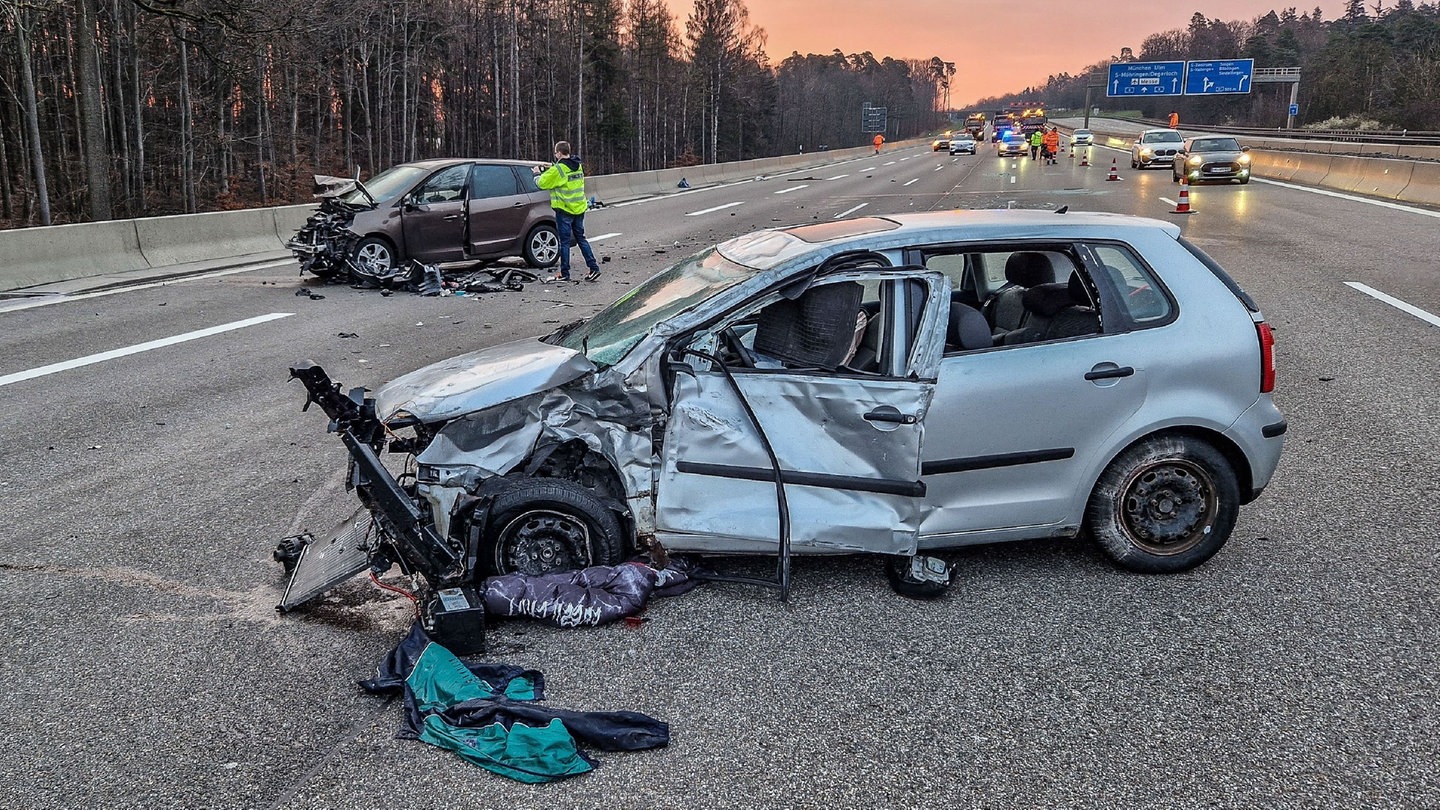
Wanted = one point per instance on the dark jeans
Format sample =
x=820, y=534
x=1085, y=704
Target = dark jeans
x=571, y=226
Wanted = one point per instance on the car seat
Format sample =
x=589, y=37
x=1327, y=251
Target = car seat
x=1055, y=311
x=1005, y=310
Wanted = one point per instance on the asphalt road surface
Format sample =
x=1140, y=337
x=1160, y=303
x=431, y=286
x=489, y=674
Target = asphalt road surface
x=145, y=665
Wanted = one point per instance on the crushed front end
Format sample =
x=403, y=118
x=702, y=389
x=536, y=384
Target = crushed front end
x=396, y=530
x=325, y=243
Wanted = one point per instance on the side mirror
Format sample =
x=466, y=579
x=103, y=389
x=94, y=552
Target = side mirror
x=1244, y=149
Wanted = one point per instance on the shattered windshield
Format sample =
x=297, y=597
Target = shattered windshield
x=386, y=185
x=606, y=337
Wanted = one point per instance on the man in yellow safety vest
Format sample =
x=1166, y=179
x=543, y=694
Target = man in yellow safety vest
x=565, y=179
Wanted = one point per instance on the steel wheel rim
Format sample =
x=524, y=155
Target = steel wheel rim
x=545, y=246
x=1168, y=507
x=376, y=257
x=542, y=540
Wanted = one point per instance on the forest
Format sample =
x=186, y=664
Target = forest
x=127, y=108
x=1374, y=68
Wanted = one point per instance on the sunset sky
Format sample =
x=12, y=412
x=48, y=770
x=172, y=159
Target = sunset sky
x=998, y=46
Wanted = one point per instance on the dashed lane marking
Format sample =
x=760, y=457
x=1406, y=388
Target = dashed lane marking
x=793, y=188
x=1395, y=302
x=91, y=359
x=716, y=208
x=850, y=211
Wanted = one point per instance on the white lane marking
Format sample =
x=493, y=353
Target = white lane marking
x=1395, y=302
x=868, y=169
x=793, y=188
x=602, y=237
x=849, y=211
x=916, y=180
x=938, y=168
x=61, y=298
x=907, y=157
x=837, y=177
x=716, y=208
x=137, y=348
x=891, y=163
x=1168, y=201
x=1351, y=197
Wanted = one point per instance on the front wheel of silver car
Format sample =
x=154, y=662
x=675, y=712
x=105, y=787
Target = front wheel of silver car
x=1164, y=505
x=539, y=525
x=542, y=246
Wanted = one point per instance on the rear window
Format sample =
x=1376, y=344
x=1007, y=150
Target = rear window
x=1220, y=273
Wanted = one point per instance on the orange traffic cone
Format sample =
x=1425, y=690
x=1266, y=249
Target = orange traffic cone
x=1085, y=157
x=1183, y=207
x=1114, y=169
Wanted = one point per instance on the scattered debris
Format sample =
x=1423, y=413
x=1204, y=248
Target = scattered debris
x=683, y=183
x=345, y=335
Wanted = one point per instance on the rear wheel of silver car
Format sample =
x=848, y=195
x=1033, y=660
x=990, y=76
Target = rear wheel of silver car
x=542, y=246
x=376, y=254
x=539, y=525
x=1164, y=505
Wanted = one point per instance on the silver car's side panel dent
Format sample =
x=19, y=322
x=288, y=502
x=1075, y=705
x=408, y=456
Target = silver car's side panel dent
x=813, y=431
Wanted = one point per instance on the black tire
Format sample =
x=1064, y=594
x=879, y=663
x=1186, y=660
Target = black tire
x=897, y=570
x=542, y=246
x=1164, y=505
x=539, y=525
x=378, y=253
x=1244, y=181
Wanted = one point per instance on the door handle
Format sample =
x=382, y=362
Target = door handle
x=452, y=216
x=1109, y=373
x=888, y=414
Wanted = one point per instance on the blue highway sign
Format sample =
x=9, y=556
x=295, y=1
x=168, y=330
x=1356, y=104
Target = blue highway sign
x=1209, y=77
x=1145, y=79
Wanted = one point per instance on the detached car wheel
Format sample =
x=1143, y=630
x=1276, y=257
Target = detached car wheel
x=542, y=246
x=539, y=525
x=1165, y=505
x=376, y=253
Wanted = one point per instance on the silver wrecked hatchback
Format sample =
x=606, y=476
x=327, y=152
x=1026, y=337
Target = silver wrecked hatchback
x=886, y=385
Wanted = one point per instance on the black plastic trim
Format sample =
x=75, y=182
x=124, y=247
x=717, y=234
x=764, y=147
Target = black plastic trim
x=954, y=465
x=882, y=486
x=1277, y=429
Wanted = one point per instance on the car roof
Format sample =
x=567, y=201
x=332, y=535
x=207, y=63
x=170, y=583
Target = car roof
x=438, y=163
x=766, y=249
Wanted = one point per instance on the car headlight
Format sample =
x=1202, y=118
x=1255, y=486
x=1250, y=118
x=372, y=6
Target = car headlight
x=1194, y=160
x=1145, y=153
x=1244, y=159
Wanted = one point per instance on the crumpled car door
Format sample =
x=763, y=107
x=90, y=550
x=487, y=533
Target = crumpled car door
x=848, y=446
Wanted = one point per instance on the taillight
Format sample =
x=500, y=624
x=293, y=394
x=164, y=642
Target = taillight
x=1267, y=357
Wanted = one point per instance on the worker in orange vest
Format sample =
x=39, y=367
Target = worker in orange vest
x=879, y=139
x=1051, y=142
x=1174, y=120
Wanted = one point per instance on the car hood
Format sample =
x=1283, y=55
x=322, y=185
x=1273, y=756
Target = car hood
x=1218, y=156
x=480, y=379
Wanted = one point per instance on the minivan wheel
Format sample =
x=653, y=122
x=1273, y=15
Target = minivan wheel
x=377, y=253
x=1165, y=505
x=542, y=246
x=539, y=525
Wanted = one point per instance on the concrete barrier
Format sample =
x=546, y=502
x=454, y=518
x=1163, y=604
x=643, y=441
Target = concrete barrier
x=197, y=237
x=36, y=256
x=1374, y=176
x=1311, y=170
x=1424, y=185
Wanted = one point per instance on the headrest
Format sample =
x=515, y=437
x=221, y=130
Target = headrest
x=1079, y=294
x=968, y=328
x=1028, y=268
x=1047, y=299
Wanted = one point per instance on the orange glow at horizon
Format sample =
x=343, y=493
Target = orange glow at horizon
x=998, y=46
